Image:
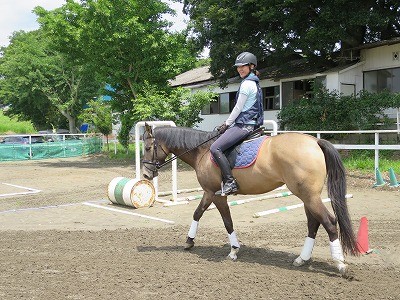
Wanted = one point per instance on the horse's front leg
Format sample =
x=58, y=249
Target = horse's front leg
x=223, y=208
x=198, y=213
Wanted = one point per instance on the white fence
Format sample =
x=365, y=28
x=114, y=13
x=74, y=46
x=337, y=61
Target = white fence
x=376, y=146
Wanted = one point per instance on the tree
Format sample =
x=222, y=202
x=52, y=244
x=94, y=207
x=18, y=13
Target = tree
x=279, y=30
x=41, y=84
x=180, y=105
x=99, y=114
x=126, y=41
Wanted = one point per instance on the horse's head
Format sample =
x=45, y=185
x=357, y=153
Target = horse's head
x=154, y=154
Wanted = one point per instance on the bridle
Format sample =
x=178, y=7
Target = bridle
x=156, y=165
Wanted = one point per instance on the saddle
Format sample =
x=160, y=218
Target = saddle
x=244, y=154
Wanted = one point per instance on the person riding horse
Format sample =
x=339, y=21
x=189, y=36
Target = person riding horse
x=247, y=115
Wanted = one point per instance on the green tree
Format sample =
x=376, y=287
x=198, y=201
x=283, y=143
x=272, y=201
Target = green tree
x=280, y=30
x=41, y=84
x=99, y=114
x=126, y=41
x=180, y=105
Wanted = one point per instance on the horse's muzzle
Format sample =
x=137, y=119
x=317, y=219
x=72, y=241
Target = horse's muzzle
x=150, y=169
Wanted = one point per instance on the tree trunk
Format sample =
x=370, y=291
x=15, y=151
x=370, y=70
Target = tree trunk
x=71, y=121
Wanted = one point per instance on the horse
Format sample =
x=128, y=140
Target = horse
x=302, y=162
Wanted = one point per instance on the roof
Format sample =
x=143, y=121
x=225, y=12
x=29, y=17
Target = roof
x=301, y=67
x=197, y=75
x=295, y=68
x=377, y=44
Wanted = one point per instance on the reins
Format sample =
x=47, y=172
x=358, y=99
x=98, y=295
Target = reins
x=159, y=166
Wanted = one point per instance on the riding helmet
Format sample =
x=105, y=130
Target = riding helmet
x=245, y=58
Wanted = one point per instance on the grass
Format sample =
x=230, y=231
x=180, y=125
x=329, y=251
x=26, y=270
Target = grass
x=12, y=125
x=118, y=152
x=364, y=160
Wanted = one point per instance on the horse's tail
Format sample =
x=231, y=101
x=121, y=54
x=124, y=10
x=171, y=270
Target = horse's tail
x=336, y=184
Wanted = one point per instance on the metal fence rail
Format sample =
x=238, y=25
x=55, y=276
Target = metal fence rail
x=39, y=146
x=376, y=146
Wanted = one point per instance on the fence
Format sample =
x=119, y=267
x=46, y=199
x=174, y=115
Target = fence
x=40, y=146
x=376, y=146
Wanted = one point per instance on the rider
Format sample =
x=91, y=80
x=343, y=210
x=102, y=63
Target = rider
x=247, y=115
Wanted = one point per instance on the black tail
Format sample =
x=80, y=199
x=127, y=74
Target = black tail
x=337, y=193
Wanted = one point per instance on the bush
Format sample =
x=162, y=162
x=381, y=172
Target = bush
x=329, y=111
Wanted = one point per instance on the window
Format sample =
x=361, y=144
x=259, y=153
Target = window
x=227, y=102
x=347, y=89
x=223, y=105
x=294, y=90
x=376, y=81
x=271, y=98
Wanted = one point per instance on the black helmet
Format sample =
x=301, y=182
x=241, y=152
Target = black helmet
x=245, y=58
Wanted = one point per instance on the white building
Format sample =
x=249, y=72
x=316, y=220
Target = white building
x=376, y=68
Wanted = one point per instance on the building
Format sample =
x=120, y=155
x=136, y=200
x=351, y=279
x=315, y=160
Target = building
x=372, y=67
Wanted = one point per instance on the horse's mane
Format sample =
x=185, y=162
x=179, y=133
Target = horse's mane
x=183, y=137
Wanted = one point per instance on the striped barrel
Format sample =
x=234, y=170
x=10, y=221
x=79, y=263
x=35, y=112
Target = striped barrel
x=131, y=192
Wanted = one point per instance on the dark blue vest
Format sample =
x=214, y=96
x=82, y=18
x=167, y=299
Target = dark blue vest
x=256, y=112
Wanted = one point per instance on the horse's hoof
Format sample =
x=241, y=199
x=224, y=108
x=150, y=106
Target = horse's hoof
x=188, y=246
x=298, y=262
x=343, y=268
x=189, y=243
x=231, y=257
x=233, y=254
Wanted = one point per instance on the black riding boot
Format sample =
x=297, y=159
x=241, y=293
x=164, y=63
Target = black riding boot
x=230, y=185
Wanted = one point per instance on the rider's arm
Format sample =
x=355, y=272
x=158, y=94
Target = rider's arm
x=237, y=109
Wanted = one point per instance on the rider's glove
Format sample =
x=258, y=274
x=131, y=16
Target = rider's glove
x=222, y=128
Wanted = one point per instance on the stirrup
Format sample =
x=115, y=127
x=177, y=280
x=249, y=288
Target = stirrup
x=228, y=188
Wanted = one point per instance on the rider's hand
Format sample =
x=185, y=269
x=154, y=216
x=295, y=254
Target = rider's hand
x=222, y=128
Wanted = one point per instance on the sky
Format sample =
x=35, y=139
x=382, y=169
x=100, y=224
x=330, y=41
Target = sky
x=17, y=15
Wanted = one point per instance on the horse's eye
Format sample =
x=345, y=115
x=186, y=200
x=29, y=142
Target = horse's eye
x=147, y=148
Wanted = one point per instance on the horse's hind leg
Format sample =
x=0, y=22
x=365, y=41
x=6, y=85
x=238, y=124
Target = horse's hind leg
x=309, y=242
x=223, y=208
x=198, y=213
x=322, y=215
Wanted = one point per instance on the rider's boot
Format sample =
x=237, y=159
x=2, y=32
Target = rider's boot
x=229, y=182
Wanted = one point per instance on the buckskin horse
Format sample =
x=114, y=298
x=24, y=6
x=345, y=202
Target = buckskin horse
x=300, y=161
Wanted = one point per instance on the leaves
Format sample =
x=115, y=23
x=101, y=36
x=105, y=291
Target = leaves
x=330, y=111
x=180, y=105
x=277, y=30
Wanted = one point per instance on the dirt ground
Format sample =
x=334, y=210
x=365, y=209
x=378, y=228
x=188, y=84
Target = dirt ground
x=59, y=240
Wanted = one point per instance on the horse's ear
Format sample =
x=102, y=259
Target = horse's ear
x=148, y=129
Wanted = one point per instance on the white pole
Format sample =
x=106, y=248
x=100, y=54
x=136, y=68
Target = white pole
x=238, y=202
x=274, y=126
x=376, y=151
x=289, y=207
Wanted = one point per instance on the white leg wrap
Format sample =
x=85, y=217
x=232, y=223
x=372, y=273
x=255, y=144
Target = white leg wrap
x=336, y=251
x=307, y=249
x=193, y=229
x=233, y=240
x=305, y=254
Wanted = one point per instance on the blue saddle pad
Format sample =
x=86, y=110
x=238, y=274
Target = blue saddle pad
x=246, y=153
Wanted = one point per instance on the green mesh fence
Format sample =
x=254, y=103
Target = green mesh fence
x=68, y=148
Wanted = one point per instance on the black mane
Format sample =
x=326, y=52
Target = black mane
x=183, y=137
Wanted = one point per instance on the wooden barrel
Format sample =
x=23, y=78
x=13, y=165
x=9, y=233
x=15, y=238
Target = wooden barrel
x=131, y=192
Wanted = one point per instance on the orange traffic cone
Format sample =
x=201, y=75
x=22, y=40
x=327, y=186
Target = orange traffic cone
x=362, y=237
